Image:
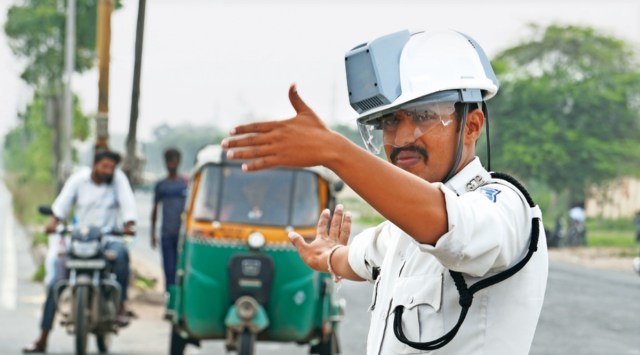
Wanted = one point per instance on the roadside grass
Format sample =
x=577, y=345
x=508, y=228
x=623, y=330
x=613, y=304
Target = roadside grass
x=618, y=235
x=38, y=275
x=611, y=232
x=144, y=283
x=27, y=196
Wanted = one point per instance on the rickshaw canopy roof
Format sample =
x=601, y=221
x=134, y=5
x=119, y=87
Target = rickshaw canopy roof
x=214, y=154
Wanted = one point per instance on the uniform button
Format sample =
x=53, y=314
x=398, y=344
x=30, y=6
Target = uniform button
x=411, y=300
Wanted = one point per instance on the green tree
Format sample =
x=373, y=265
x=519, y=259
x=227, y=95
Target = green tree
x=567, y=114
x=36, y=32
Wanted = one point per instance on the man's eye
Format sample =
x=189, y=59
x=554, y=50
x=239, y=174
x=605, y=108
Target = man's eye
x=389, y=122
x=424, y=116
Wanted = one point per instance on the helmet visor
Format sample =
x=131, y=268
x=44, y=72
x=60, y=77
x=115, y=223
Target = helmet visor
x=405, y=124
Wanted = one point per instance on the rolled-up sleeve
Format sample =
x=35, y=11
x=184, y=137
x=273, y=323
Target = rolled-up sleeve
x=367, y=250
x=126, y=199
x=488, y=230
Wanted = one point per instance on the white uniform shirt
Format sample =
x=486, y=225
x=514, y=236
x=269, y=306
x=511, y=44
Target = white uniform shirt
x=97, y=205
x=489, y=228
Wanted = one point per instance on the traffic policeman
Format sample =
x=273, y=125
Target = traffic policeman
x=460, y=267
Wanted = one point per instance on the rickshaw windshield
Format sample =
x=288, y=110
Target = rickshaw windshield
x=277, y=197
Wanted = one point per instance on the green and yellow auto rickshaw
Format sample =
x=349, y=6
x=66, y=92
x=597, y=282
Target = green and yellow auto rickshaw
x=239, y=278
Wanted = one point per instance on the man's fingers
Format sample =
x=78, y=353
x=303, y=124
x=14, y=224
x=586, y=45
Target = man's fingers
x=255, y=127
x=254, y=152
x=248, y=140
x=345, y=230
x=261, y=163
x=336, y=222
x=298, y=241
x=323, y=223
x=296, y=101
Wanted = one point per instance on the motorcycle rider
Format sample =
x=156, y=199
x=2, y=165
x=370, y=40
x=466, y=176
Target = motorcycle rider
x=100, y=196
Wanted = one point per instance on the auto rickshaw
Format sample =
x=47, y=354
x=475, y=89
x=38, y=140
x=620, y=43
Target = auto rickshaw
x=238, y=277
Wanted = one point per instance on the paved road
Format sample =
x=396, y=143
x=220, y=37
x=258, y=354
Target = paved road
x=589, y=311
x=585, y=312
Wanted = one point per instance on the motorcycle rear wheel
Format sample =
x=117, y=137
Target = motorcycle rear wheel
x=81, y=319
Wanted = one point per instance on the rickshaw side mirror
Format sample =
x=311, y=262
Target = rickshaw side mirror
x=338, y=186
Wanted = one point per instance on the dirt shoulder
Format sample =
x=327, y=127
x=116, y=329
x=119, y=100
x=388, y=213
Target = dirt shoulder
x=614, y=259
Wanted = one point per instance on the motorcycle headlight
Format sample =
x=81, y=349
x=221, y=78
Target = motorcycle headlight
x=85, y=249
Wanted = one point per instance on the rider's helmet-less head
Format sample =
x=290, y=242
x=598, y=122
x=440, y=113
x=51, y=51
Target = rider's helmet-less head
x=423, y=74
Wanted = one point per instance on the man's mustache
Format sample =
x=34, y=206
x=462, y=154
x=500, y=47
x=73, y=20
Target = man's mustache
x=411, y=148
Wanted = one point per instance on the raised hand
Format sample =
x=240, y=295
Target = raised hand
x=295, y=142
x=316, y=253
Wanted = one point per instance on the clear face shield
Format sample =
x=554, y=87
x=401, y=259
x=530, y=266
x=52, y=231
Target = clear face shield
x=405, y=124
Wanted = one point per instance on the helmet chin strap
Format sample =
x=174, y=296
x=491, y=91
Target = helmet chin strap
x=463, y=123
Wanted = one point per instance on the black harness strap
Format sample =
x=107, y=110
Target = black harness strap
x=465, y=292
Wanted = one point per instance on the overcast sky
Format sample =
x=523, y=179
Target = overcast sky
x=227, y=62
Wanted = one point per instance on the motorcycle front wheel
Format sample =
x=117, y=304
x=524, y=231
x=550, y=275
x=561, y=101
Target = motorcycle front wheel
x=81, y=319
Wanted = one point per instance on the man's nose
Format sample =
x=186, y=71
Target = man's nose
x=406, y=132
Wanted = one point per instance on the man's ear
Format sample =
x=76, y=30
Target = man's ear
x=473, y=129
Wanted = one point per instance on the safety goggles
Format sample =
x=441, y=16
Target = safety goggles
x=405, y=124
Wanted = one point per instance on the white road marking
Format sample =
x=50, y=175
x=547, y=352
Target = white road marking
x=9, y=280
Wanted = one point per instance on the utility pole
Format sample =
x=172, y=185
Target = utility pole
x=105, y=7
x=132, y=164
x=64, y=170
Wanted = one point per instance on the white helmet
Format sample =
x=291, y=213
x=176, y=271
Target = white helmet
x=402, y=67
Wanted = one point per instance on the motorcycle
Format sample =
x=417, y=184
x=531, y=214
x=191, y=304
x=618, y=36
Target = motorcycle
x=90, y=292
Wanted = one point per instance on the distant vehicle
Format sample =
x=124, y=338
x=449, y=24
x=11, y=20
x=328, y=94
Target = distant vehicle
x=239, y=278
x=577, y=233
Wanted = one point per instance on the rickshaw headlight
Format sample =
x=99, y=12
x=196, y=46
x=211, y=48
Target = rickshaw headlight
x=256, y=240
x=246, y=307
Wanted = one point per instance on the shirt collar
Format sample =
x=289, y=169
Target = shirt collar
x=469, y=178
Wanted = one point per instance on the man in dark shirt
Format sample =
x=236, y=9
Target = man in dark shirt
x=171, y=193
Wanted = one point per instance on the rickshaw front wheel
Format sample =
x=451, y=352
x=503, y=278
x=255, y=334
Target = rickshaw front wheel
x=246, y=342
x=178, y=344
x=330, y=346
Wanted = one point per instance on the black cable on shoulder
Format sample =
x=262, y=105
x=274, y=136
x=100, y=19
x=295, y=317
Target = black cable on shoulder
x=466, y=293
